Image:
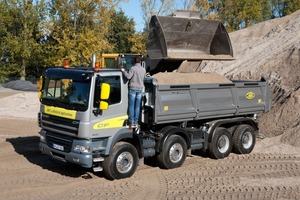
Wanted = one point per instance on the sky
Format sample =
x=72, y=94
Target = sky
x=132, y=9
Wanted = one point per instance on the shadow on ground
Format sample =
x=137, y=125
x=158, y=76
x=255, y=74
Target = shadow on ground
x=29, y=148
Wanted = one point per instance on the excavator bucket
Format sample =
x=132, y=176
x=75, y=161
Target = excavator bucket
x=187, y=38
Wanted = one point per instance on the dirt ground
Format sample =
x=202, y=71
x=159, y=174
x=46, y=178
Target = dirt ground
x=271, y=171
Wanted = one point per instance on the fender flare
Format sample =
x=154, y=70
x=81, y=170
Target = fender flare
x=119, y=136
x=166, y=132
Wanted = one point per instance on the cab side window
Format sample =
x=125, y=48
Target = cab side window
x=115, y=89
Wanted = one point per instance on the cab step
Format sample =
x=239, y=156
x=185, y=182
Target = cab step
x=100, y=159
x=97, y=169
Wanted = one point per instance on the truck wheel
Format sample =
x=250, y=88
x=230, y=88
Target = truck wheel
x=173, y=154
x=221, y=144
x=243, y=139
x=122, y=162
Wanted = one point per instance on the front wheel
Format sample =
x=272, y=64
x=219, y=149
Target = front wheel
x=122, y=162
x=221, y=144
x=173, y=154
x=243, y=139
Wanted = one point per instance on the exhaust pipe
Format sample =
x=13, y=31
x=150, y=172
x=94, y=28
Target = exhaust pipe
x=93, y=60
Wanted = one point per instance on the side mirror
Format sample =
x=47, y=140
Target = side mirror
x=40, y=94
x=41, y=83
x=105, y=91
x=103, y=105
x=40, y=87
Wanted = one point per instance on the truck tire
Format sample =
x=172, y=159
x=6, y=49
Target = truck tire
x=244, y=139
x=221, y=144
x=173, y=154
x=122, y=162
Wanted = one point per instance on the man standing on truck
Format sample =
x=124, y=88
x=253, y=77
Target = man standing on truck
x=135, y=76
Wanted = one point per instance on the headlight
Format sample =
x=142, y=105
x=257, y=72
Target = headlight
x=81, y=148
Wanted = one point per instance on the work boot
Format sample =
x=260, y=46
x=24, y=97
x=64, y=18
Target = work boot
x=132, y=126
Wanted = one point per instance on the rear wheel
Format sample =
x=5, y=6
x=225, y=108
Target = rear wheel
x=173, y=154
x=122, y=162
x=244, y=139
x=221, y=144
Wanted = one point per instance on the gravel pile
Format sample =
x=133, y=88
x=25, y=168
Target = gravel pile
x=21, y=85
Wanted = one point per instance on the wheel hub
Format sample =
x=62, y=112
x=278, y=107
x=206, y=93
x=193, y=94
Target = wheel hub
x=223, y=144
x=124, y=162
x=176, y=153
x=247, y=140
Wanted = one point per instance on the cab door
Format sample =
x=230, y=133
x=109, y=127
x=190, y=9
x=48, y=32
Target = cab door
x=107, y=122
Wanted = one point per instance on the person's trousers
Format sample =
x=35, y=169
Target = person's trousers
x=135, y=97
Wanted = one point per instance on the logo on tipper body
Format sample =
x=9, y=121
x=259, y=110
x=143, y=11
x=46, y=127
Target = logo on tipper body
x=250, y=95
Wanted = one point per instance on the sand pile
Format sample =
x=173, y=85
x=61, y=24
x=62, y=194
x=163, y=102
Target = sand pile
x=270, y=49
x=18, y=104
x=190, y=78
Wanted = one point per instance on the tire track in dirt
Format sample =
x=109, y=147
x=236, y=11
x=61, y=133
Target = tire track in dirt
x=237, y=177
x=194, y=180
x=26, y=167
x=27, y=174
x=145, y=184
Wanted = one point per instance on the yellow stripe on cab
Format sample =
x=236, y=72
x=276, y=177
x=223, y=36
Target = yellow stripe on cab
x=115, y=122
x=60, y=112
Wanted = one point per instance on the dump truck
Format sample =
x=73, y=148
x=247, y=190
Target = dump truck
x=84, y=110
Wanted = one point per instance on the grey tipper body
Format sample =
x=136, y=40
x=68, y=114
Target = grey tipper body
x=203, y=101
x=217, y=117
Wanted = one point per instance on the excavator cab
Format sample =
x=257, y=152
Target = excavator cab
x=184, y=36
x=117, y=60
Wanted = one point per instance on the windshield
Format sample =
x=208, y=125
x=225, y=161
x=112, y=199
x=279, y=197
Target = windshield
x=67, y=93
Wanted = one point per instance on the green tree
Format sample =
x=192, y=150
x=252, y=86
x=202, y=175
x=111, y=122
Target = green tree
x=237, y=14
x=138, y=42
x=206, y=9
x=19, y=35
x=291, y=6
x=202, y=6
x=156, y=7
x=281, y=8
x=121, y=29
x=78, y=29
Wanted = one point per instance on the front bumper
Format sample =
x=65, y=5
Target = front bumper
x=76, y=157
x=79, y=159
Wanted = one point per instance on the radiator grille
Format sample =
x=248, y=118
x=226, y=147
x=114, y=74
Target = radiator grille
x=64, y=142
x=60, y=125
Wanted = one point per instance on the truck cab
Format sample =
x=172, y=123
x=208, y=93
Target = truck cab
x=74, y=114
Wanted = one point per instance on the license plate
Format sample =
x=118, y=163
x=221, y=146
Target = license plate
x=58, y=147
